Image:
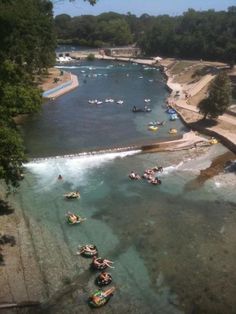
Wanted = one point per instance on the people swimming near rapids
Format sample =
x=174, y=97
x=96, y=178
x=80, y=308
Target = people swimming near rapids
x=154, y=180
x=103, y=279
x=100, y=297
x=72, y=195
x=149, y=174
x=101, y=263
x=134, y=176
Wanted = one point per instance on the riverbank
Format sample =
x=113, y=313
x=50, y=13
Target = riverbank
x=191, y=90
x=58, y=83
x=188, y=90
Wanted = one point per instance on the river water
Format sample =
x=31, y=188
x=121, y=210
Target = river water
x=173, y=245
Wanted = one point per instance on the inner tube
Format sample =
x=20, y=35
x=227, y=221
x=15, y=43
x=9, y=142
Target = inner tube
x=99, y=299
x=171, y=111
x=156, y=182
x=72, y=195
x=153, y=128
x=102, y=266
x=141, y=109
x=70, y=222
x=134, y=176
x=103, y=282
x=85, y=253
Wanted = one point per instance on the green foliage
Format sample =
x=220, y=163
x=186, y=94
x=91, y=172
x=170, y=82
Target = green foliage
x=27, y=47
x=206, y=35
x=107, y=28
x=27, y=37
x=66, y=280
x=91, y=57
x=11, y=155
x=219, y=98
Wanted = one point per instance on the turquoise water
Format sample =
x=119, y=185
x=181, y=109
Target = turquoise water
x=173, y=247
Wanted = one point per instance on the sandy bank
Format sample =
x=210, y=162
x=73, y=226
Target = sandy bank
x=70, y=83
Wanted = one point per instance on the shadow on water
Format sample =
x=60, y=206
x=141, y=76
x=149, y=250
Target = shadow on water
x=218, y=165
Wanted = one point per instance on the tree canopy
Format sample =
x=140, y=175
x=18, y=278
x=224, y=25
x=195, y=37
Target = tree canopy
x=27, y=47
x=206, y=35
x=88, y=30
x=219, y=97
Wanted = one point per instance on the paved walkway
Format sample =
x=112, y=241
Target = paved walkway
x=62, y=89
x=228, y=135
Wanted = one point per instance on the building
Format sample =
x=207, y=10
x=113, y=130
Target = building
x=128, y=52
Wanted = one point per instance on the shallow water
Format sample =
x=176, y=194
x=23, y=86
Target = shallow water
x=165, y=241
x=173, y=247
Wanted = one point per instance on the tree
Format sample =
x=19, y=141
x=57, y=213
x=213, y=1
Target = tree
x=28, y=37
x=27, y=46
x=92, y=2
x=219, y=98
x=91, y=57
x=11, y=155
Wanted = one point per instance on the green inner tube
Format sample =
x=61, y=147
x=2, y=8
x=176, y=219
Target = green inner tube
x=102, y=299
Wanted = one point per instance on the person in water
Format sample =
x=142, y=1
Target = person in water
x=73, y=218
x=132, y=175
x=98, y=262
x=104, y=276
x=88, y=248
x=60, y=177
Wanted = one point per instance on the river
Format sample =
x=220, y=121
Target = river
x=172, y=244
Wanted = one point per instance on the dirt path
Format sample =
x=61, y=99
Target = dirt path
x=225, y=127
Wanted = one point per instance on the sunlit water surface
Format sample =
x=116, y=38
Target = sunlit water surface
x=172, y=246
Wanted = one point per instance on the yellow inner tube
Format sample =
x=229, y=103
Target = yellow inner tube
x=213, y=141
x=153, y=128
x=173, y=131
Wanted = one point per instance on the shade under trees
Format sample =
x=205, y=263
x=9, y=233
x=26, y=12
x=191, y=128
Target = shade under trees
x=219, y=97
